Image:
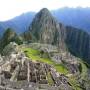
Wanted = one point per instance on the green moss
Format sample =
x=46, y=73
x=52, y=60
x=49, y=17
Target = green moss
x=35, y=55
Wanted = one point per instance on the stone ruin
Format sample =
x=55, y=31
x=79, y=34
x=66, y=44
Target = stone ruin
x=17, y=72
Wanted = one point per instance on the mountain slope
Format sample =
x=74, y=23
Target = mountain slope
x=78, y=42
x=1, y=31
x=9, y=36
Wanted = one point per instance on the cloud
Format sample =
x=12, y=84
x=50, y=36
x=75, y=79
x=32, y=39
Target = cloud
x=11, y=8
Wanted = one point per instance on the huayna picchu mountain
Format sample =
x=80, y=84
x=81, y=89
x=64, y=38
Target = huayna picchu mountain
x=46, y=29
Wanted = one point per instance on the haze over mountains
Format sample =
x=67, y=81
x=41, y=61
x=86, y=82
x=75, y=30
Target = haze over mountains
x=77, y=17
x=19, y=23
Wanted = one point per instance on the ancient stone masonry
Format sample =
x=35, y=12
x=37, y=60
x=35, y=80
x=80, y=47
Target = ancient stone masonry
x=25, y=72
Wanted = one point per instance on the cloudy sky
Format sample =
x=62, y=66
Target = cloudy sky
x=12, y=8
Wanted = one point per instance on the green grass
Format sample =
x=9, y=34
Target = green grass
x=75, y=85
x=60, y=68
x=50, y=81
x=83, y=69
x=34, y=55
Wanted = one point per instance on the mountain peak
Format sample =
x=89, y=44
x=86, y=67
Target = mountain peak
x=44, y=13
x=44, y=26
x=45, y=29
x=44, y=10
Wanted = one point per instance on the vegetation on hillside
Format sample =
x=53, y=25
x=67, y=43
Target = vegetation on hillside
x=9, y=36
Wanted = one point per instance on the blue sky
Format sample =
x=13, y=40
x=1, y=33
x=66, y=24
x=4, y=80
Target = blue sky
x=12, y=8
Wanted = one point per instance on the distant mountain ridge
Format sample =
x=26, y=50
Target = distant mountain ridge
x=19, y=23
x=77, y=17
x=1, y=31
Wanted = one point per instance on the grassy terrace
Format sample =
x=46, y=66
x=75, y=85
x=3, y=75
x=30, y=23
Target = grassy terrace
x=50, y=81
x=74, y=83
x=35, y=55
x=83, y=74
x=83, y=69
